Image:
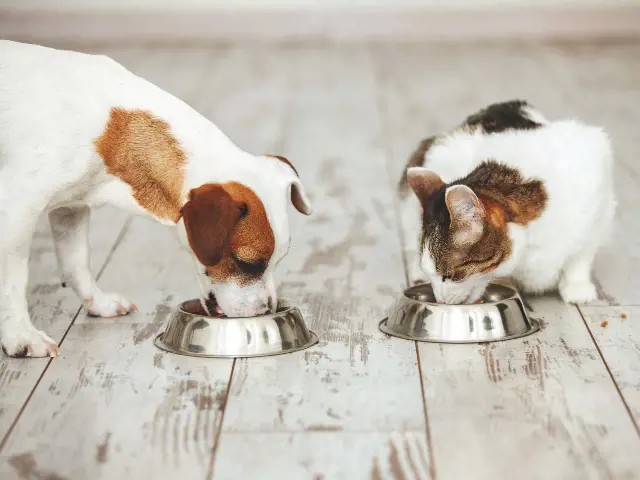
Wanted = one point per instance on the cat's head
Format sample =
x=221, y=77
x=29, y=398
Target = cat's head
x=466, y=240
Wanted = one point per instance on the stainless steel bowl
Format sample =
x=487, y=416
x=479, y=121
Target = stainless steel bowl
x=417, y=316
x=190, y=331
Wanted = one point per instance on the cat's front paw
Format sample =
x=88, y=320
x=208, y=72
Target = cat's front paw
x=582, y=292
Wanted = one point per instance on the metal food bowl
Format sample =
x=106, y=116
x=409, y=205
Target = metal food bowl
x=417, y=316
x=191, y=331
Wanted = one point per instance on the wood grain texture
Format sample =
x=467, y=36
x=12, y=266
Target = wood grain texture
x=116, y=405
x=343, y=269
x=545, y=402
x=550, y=391
x=325, y=455
x=617, y=332
x=51, y=307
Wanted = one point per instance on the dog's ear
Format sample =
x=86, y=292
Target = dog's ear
x=297, y=193
x=210, y=216
x=299, y=198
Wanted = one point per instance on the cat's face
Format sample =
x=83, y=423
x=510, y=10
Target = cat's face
x=465, y=239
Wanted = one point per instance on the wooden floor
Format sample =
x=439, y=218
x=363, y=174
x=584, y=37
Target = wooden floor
x=562, y=404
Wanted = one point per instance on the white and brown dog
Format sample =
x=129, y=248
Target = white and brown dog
x=78, y=131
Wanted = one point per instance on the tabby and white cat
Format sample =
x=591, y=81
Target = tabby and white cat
x=510, y=194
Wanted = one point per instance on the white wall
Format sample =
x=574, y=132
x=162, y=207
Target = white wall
x=123, y=5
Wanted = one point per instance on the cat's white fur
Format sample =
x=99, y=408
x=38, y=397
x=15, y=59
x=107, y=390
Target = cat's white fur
x=556, y=250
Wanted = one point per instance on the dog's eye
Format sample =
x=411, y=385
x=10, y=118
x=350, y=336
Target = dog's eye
x=250, y=267
x=243, y=211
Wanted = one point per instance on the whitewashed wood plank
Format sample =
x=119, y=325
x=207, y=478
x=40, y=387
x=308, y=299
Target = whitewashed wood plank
x=156, y=413
x=343, y=269
x=255, y=83
x=324, y=455
x=52, y=308
x=354, y=379
x=141, y=413
x=115, y=407
x=546, y=403
x=525, y=393
x=181, y=71
x=616, y=330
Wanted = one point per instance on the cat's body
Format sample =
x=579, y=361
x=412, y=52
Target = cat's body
x=542, y=203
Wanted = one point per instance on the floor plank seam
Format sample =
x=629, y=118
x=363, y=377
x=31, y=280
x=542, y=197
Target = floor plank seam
x=216, y=441
x=432, y=462
x=383, y=114
x=26, y=402
x=117, y=242
x=388, y=154
x=604, y=361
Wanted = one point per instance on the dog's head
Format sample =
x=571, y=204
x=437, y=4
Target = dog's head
x=238, y=234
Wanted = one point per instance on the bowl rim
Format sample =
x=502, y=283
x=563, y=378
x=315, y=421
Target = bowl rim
x=287, y=307
x=384, y=328
x=160, y=343
x=514, y=295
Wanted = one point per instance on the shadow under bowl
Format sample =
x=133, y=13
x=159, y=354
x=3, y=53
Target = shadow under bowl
x=190, y=331
x=417, y=316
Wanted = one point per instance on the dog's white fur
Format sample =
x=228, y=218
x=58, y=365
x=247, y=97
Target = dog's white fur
x=575, y=163
x=53, y=105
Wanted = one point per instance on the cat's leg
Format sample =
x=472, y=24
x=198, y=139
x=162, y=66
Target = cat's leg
x=70, y=227
x=576, y=285
x=411, y=227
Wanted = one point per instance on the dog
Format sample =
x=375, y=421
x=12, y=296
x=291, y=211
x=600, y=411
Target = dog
x=79, y=131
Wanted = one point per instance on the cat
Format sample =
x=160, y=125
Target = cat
x=508, y=193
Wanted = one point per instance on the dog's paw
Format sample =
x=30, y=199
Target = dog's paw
x=29, y=342
x=582, y=292
x=108, y=305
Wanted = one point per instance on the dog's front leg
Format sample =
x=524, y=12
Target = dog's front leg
x=70, y=227
x=18, y=335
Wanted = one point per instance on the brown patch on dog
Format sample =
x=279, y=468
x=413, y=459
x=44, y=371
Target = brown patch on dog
x=499, y=117
x=502, y=195
x=415, y=160
x=139, y=149
x=228, y=230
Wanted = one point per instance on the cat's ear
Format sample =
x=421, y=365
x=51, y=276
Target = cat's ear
x=467, y=215
x=424, y=182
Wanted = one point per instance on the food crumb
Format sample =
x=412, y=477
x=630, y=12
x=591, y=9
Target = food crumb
x=604, y=324
x=623, y=315
x=480, y=301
